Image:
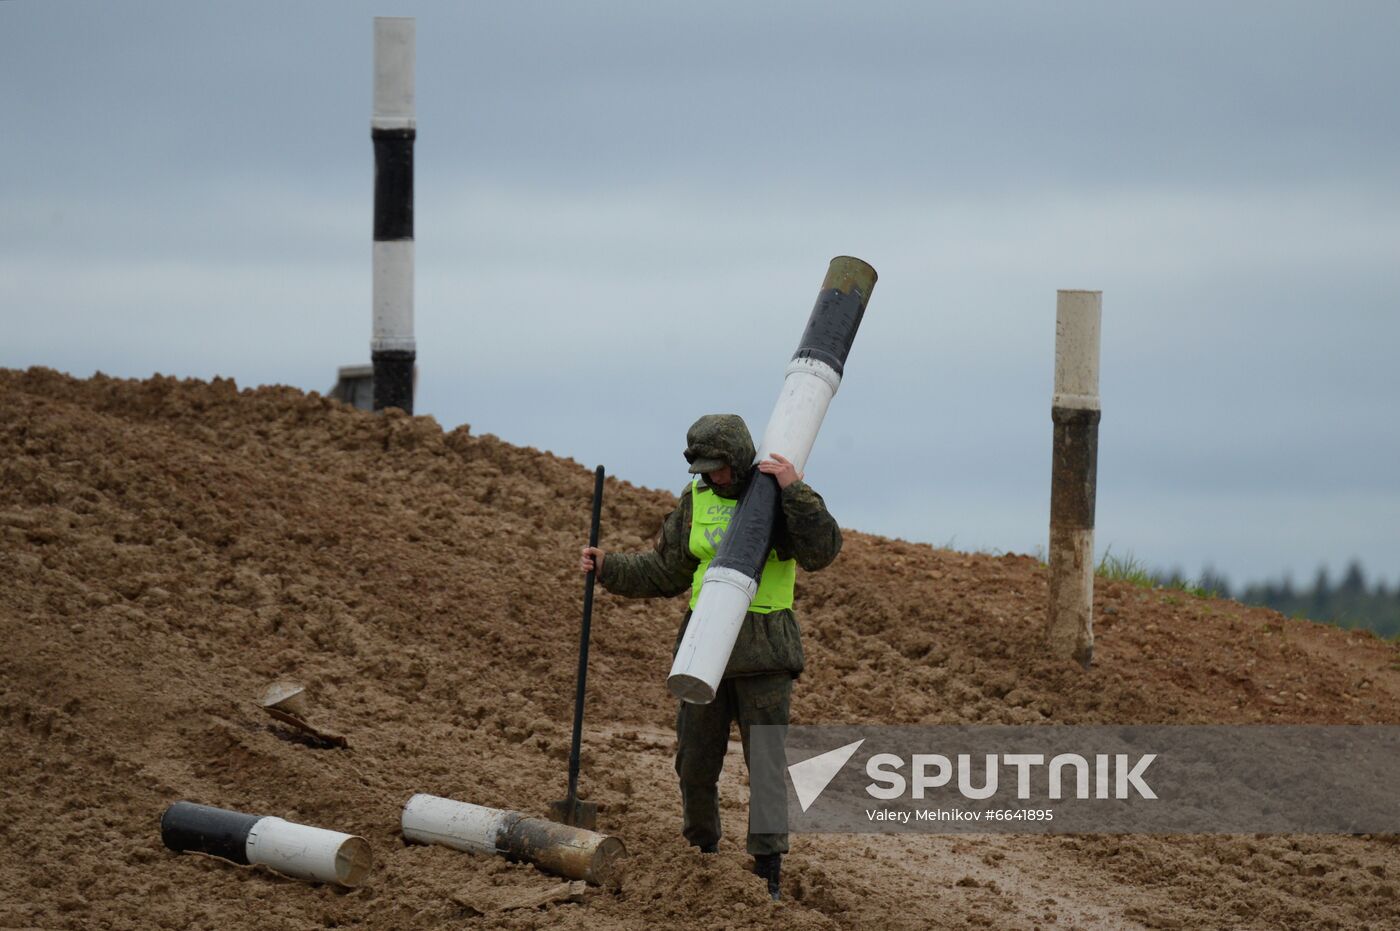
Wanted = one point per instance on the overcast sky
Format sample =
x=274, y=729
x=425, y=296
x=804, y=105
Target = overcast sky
x=624, y=212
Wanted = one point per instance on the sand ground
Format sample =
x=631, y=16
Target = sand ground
x=168, y=547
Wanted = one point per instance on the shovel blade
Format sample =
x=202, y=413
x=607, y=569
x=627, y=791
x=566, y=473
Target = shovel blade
x=575, y=814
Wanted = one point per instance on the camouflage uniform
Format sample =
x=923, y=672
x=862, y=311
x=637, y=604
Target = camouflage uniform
x=757, y=683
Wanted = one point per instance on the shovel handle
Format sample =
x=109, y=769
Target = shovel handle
x=583, y=640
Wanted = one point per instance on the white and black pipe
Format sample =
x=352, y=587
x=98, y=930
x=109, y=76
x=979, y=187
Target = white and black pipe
x=296, y=850
x=809, y=383
x=575, y=853
x=393, y=129
x=1075, y=410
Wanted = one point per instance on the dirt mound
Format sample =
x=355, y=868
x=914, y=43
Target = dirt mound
x=170, y=547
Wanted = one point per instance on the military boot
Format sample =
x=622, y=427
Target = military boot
x=769, y=865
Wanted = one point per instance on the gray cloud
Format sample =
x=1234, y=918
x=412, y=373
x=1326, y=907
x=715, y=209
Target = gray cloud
x=624, y=211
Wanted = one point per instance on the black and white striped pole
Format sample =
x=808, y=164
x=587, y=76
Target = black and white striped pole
x=393, y=129
x=1074, y=475
x=292, y=849
x=809, y=383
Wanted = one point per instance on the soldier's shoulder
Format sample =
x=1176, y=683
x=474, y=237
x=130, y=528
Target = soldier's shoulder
x=682, y=507
x=800, y=489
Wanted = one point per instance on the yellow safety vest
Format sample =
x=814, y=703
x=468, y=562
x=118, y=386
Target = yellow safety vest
x=709, y=519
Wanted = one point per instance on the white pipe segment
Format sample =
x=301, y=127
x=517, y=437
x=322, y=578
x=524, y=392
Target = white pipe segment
x=808, y=387
x=393, y=296
x=430, y=819
x=725, y=595
x=305, y=852
x=1077, y=317
x=393, y=72
x=556, y=848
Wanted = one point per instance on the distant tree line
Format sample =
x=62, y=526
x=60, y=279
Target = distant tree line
x=1349, y=602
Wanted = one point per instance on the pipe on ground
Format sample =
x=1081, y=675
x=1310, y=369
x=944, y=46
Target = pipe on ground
x=809, y=383
x=295, y=850
x=556, y=848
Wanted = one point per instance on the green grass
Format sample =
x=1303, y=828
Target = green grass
x=1130, y=569
x=1124, y=569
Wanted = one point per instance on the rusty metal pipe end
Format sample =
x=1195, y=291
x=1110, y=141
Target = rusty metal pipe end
x=574, y=853
x=846, y=272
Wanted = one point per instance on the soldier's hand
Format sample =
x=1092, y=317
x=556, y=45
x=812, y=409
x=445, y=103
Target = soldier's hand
x=592, y=560
x=780, y=468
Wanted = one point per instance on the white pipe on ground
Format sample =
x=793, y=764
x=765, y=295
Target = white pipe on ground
x=296, y=850
x=571, y=852
x=430, y=819
x=309, y=853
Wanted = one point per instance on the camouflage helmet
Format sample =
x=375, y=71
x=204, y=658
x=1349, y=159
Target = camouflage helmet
x=718, y=440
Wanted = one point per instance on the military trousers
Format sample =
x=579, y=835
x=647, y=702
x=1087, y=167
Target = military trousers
x=702, y=737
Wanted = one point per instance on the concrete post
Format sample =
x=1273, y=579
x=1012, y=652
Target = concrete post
x=1074, y=475
x=393, y=129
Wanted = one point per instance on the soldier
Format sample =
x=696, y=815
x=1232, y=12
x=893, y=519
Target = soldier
x=767, y=657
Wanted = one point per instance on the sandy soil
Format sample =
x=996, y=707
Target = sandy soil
x=169, y=547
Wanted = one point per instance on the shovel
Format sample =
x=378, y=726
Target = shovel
x=570, y=810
